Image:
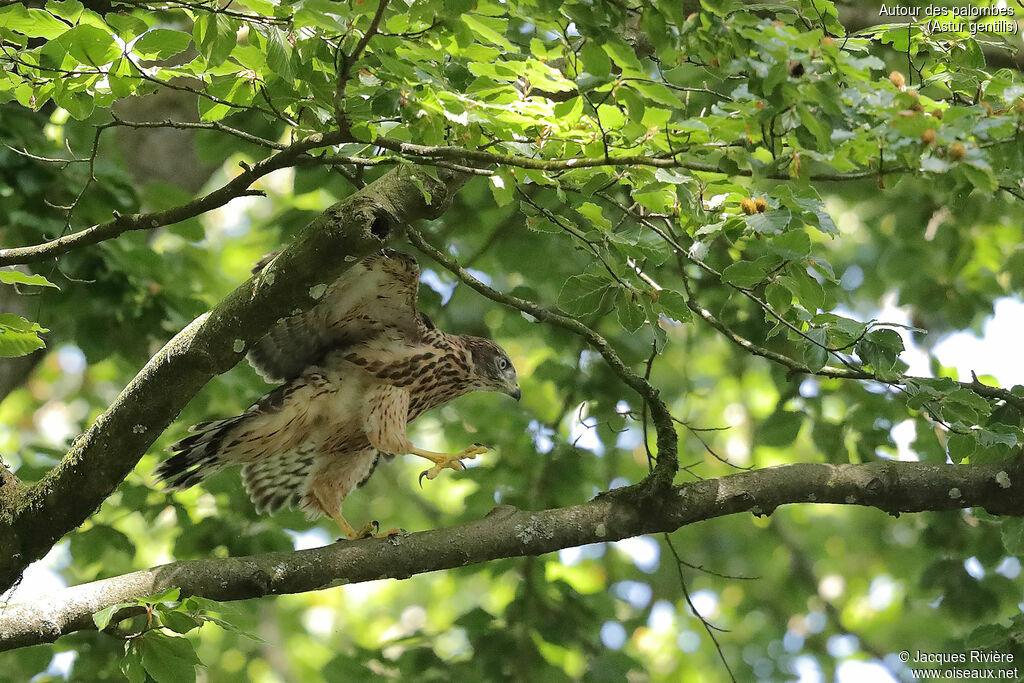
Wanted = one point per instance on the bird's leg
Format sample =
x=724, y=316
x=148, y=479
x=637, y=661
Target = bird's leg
x=346, y=529
x=452, y=461
x=369, y=530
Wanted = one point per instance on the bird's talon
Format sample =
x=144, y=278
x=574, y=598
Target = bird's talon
x=366, y=531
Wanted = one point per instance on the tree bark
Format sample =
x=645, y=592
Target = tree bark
x=894, y=487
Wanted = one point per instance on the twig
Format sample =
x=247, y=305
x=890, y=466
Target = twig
x=347, y=61
x=236, y=187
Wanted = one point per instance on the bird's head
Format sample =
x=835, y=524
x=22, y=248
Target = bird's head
x=492, y=368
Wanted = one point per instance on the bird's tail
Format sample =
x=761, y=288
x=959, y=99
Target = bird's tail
x=196, y=457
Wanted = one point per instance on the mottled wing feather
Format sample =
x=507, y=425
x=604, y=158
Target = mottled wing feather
x=375, y=296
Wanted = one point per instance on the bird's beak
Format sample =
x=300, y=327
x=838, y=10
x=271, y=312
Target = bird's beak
x=516, y=392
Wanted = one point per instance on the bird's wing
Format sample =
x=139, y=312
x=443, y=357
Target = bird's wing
x=375, y=297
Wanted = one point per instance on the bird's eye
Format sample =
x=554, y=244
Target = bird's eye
x=502, y=363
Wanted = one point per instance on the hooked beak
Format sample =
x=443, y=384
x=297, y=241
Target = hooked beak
x=516, y=392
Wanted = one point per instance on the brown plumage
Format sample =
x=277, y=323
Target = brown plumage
x=357, y=368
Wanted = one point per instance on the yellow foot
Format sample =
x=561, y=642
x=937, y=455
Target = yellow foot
x=369, y=530
x=451, y=461
x=389, y=533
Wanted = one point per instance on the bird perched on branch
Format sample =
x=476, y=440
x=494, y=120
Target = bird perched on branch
x=356, y=369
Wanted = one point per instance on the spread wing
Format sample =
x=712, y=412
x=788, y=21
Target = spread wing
x=375, y=297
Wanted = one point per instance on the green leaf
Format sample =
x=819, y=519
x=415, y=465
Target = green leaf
x=880, y=356
x=34, y=23
x=279, y=54
x=18, y=336
x=169, y=595
x=1011, y=530
x=629, y=314
x=624, y=56
x=815, y=356
x=102, y=618
x=805, y=288
x=794, y=244
x=487, y=30
x=233, y=89
x=634, y=104
x=168, y=659
x=90, y=45
x=161, y=43
x=503, y=186
x=131, y=664
x=744, y=274
x=583, y=294
x=769, y=222
x=778, y=297
x=592, y=212
x=179, y=622
x=780, y=429
x=673, y=304
x=595, y=60
x=215, y=36
x=960, y=446
x=981, y=178
x=16, y=277
x=79, y=104
x=890, y=339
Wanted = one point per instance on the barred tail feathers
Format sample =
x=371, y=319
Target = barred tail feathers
x=197, y=456
x=279, y=482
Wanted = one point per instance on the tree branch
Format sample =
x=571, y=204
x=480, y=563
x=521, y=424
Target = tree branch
x=348, y=61
x=507, y=532
x=234, y=188
x=100, y=459
x=994, y=393
x=473, y=157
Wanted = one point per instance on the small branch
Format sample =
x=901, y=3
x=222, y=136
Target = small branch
x=234, y=188
x=507, y=532
x=667, y=440
x=708, y=626
x=472, y=157
x=994, y=393
x=348, y=61
x=202, y=125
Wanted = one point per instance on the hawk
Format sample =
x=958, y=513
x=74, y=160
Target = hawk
x=356, y=369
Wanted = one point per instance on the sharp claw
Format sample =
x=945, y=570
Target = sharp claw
x=422, y=474
x=376, y=526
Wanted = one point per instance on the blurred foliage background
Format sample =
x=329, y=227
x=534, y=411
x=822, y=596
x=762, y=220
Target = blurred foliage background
x=769, y=98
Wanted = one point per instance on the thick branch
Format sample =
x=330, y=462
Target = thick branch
x=101, y=458
x=236, y=187
x=507, y=532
